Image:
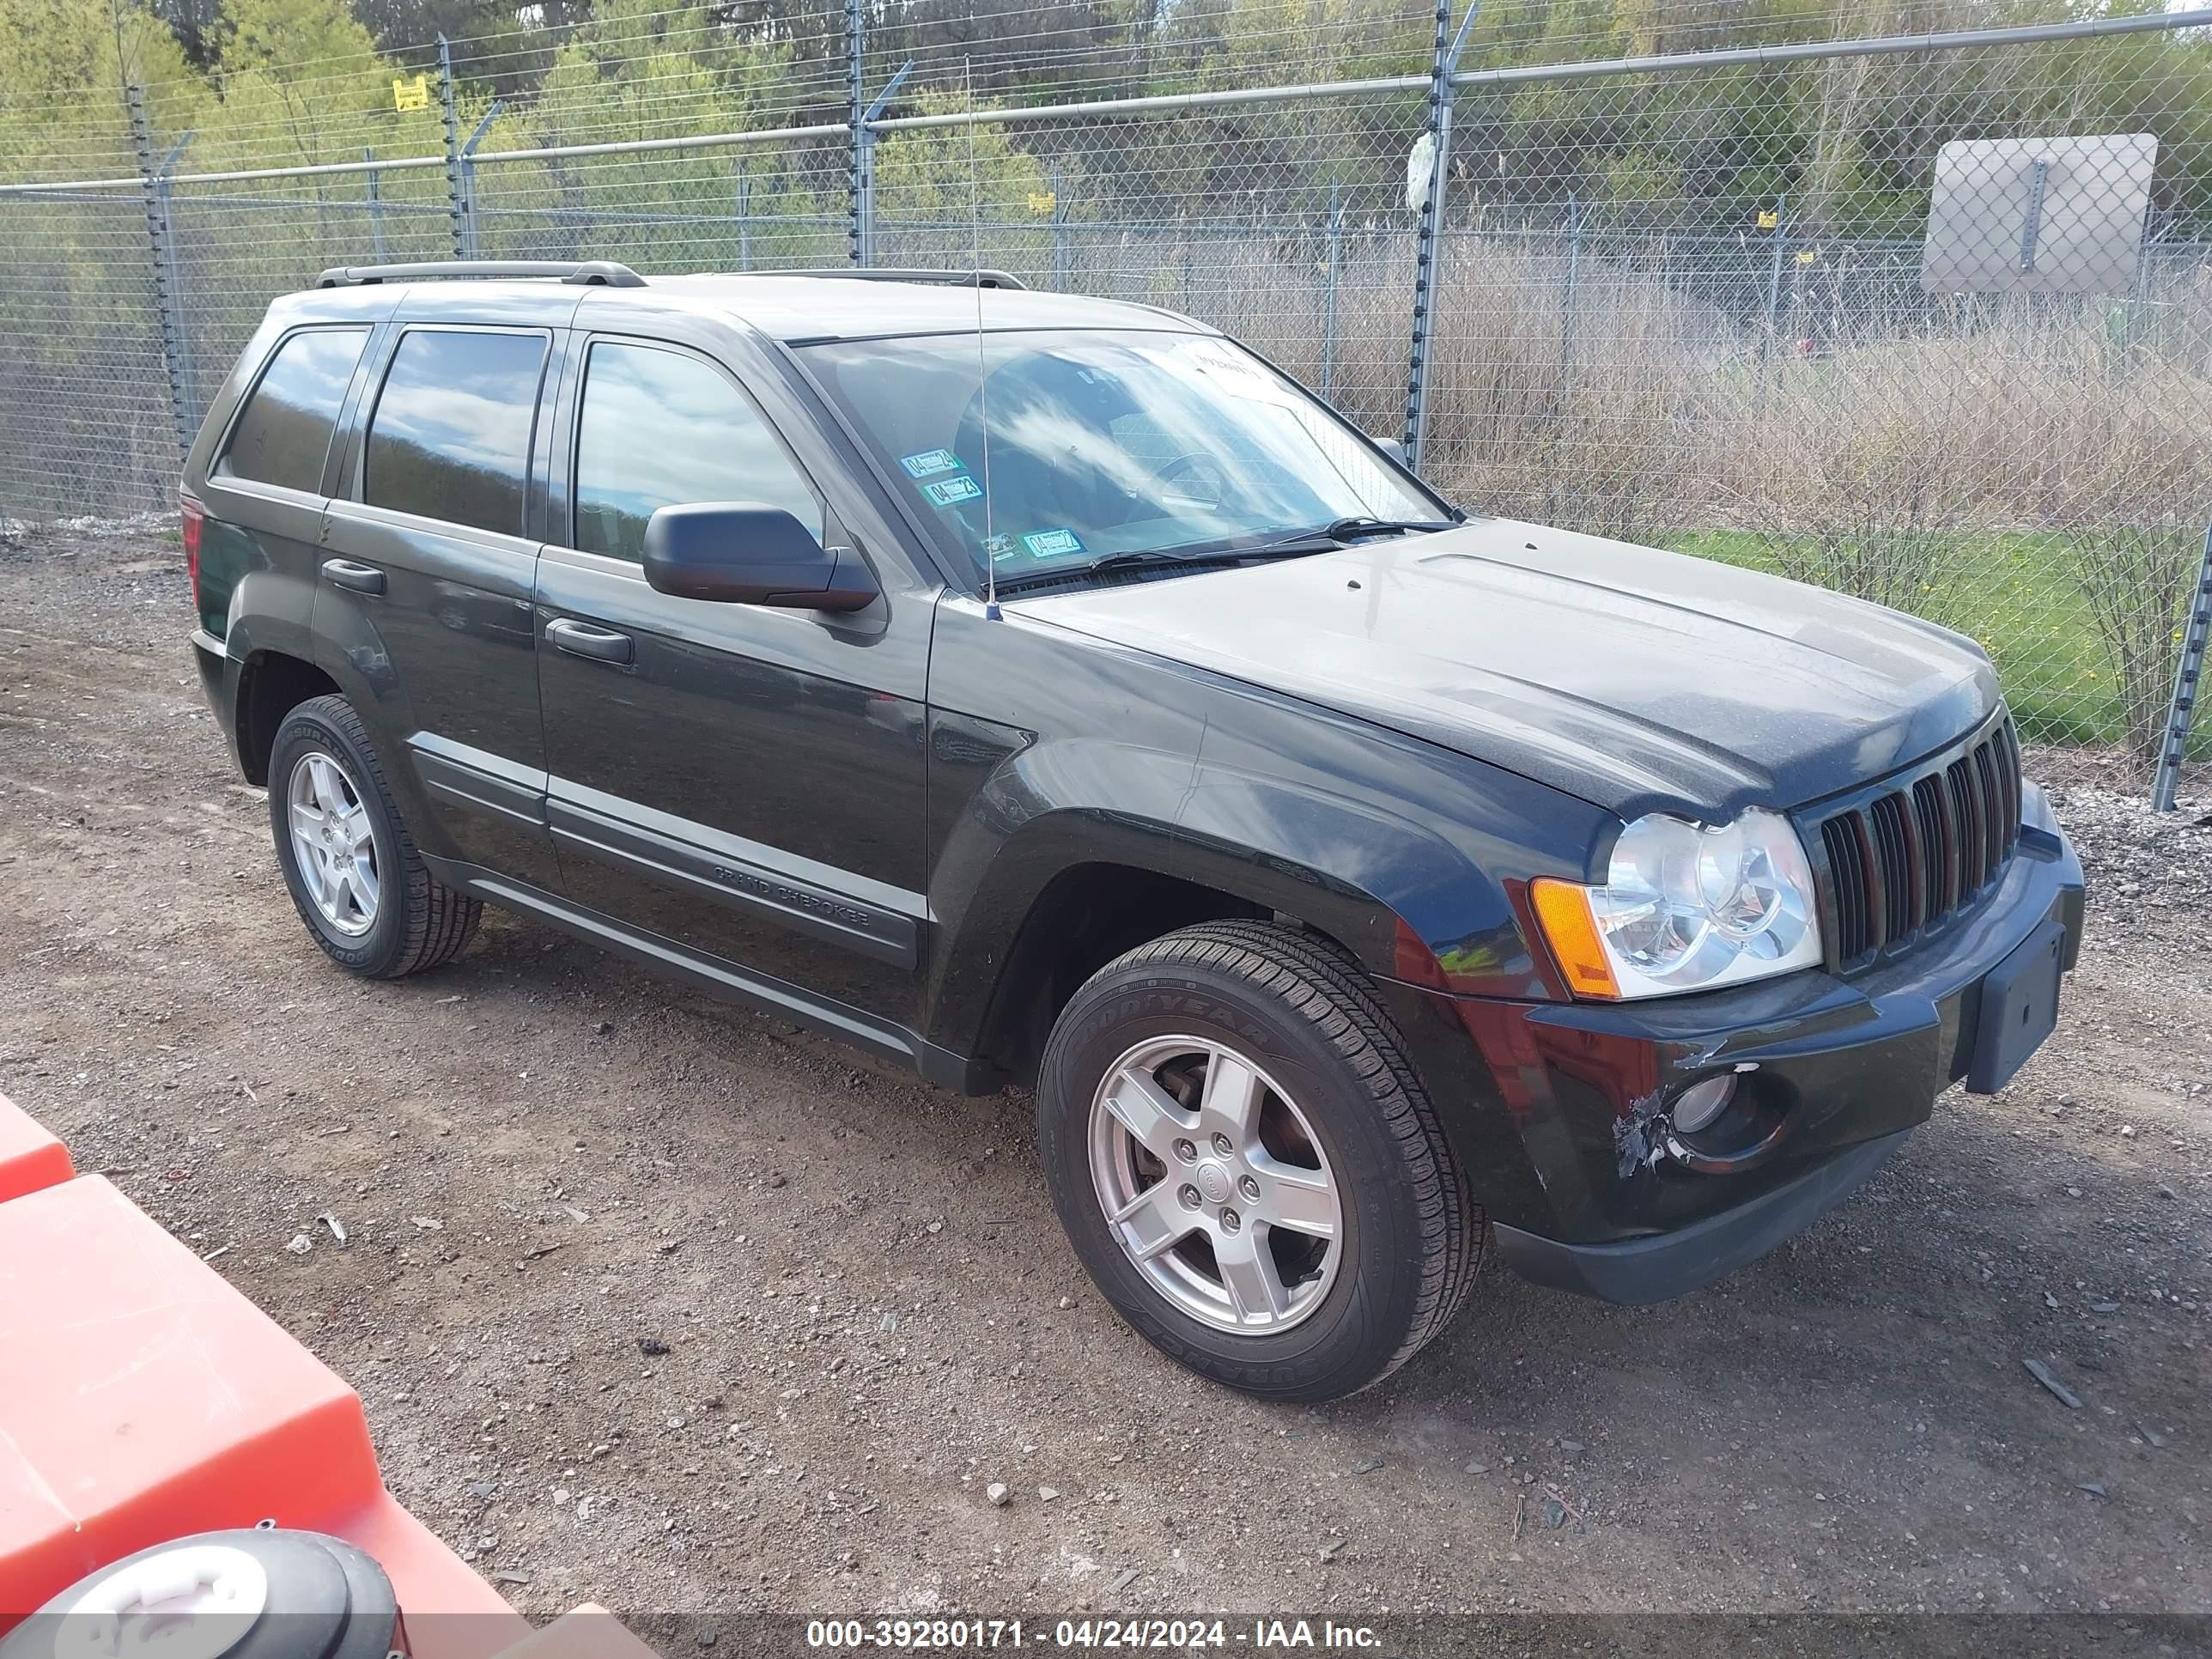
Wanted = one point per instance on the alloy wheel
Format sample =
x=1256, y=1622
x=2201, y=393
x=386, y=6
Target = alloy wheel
x=333, y=843
x=1214, y=1184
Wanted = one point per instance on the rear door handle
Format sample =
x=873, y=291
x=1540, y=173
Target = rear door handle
x=361, y=577
x=582, y=640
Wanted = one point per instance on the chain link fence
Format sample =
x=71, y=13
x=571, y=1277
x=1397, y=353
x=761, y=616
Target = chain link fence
x=1928, y=320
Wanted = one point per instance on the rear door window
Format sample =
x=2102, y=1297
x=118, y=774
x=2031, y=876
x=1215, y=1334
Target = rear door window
x=450, y=438
x=663, y=428
x=282, y=434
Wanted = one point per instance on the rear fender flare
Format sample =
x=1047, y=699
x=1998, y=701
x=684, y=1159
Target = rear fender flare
x=350, y=650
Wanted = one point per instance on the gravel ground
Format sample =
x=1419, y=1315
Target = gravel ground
x=669, y=1306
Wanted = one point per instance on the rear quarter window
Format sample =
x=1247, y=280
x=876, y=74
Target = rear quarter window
x=450, y=438
x=282, y=434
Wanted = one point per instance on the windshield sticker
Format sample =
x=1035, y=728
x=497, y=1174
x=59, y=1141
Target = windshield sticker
x=929, y=463
x=1051, y=543
x=999, y=548
x=950, y=492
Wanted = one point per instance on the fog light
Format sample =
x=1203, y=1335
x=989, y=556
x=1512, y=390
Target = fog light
x=1701, y=1102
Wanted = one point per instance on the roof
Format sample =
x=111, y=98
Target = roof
x=795, y=309
x=787, y=306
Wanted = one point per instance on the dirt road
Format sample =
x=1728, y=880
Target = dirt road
x=666, y=1305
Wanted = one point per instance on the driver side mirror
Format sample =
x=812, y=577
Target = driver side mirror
x=1392, y=447
x=746, y=553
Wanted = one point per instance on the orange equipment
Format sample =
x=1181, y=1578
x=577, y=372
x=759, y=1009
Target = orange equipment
x=142, y=1398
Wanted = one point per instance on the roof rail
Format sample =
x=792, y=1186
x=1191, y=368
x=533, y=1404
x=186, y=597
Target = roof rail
x=911, y=274
x=589, y=273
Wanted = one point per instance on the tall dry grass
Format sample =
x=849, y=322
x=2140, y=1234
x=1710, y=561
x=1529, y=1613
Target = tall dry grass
x=1914, y=439
x=2137, y=485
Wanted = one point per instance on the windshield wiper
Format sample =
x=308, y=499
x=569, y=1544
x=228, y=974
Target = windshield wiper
x=1154, y=559
x=1345, y=528
x=1342, y=531
x=1337, y=533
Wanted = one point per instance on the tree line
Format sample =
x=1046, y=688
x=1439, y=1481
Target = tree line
x=1848, y=141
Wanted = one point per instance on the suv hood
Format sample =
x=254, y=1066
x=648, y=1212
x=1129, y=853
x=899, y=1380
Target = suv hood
x=1638, y=680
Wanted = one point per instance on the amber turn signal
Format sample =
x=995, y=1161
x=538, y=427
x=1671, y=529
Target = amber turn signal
x=1563, y=910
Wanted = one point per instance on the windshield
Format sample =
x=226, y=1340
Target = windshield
x=1104, y=443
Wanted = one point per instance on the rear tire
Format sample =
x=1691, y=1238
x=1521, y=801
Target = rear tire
x=353, y=870
x=1302, y=1257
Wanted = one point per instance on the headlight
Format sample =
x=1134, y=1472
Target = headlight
x=1686, y=907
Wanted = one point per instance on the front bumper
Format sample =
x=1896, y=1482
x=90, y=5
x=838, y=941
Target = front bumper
x=1595, y=1193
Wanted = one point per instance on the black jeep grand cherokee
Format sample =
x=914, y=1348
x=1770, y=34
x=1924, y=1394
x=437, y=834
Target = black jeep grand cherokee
x=1355, y=880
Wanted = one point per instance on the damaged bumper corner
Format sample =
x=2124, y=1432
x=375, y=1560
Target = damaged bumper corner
x=1637, y=1272
x=1568, y=1107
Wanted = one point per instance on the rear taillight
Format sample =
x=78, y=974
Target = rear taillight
x=194, y=516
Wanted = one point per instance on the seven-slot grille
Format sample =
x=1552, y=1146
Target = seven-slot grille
x=1918, y=849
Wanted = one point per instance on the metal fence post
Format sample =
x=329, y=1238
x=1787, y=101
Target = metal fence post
x=856, y=167
x=1059, y=235
x=745, y=219
x=1567, y=297
x=2138, y=293
x=161, y=244
x=375, y=211
x=2187, y=675
x=1427, y=267
x=455, y=210
x=864, y=167
x=1328, y=294
x=864, y=212
x=187, y=378
x=1777, y=243
x=471, y=238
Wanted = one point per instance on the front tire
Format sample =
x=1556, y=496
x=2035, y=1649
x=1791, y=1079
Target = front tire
x=1248, y=1165
x=353, y=870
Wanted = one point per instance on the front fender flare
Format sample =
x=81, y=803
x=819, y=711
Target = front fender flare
x=1387, y=888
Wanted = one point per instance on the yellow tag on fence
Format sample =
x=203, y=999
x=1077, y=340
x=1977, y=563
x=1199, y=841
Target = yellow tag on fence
x=410, y=94
x=1041, y=201
x=1769, y=220
x=1806, y=258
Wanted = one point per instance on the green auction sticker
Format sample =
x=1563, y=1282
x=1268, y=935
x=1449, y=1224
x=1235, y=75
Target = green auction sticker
x=929, y=463
x=1050, y=543
x=950, y=492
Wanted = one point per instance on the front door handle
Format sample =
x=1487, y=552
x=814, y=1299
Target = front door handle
x=582, y=640
x=361, y=577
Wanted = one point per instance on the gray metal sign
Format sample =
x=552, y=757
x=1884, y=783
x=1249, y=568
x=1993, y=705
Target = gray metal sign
x=2038, y=216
